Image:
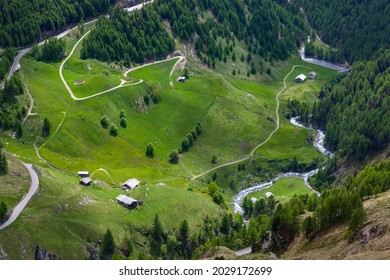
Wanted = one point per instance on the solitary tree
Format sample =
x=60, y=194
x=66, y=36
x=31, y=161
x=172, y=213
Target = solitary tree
x=123, y=122
x=174, y=156
x=46, y=128
x=150, y=150
x=157, y=237
x=122, y=114
x=107, y=248
x=104, y=121
x=113, y=130
x=183, y=237
x=214, y=159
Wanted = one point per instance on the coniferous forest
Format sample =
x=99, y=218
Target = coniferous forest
x=213, y=26
x=129, y=38
x=23, y=22
x=357, y=28
x=355, y=111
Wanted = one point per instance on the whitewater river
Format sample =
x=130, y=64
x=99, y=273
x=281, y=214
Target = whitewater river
x=323, y=63
x=318, y=143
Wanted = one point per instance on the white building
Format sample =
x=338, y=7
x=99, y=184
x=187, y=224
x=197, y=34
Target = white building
x=131, y=184
x=268, y=194
x=300, y=78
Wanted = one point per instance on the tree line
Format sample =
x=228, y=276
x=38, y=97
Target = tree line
x=23, y=22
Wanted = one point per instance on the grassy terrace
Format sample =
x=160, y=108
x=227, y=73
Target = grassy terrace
x=284, y=189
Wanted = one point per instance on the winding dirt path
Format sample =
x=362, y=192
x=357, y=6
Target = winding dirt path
x=122, y=84
x=104, y=171
x=182, y=59
x=266, y=140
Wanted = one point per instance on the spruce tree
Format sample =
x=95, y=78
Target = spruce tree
x=107, y=248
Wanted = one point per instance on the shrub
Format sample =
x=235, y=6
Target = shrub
x=150, y=150
x=123, y=122
x=113, y=130
x=104, y=121
x=174, y=156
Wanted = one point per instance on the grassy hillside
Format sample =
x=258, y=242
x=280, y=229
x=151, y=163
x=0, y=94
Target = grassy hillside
x=370, y=243
x=15, y=183
x=79, y=216
x=284, y=189
x=236, y=115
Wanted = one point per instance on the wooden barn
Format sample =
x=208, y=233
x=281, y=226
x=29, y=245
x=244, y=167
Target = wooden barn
x=130, y=184
x=86, y=181
x=300, y=78
x=127, y=201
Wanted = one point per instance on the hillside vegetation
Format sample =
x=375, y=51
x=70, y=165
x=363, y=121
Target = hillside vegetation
x=24, y=22
x=358, y=28
x=355, y=111
x=370, y=243
x=211, y=26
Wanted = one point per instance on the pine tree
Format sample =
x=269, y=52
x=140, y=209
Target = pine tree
x=107, y=247
x=156, y=237
x=19, y=129
x=183, y=238
x=46, y=128
x=150, y=150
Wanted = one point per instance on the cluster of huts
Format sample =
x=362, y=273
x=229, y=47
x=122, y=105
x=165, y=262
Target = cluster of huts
x=267, y=196
x=302, y=77
x=122, y=199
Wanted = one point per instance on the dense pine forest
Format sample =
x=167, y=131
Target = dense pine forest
x=357, y=28
x=11, y=112
x=23, y=22
x=355, y=111
x=213, y=26
x=128, y=38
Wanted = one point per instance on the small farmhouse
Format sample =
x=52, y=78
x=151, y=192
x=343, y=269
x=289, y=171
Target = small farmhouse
x=300, y=78
x=268, y=194
x=312, y=75
x=181, y=79
x=83, y=173
x=253, y=199
x=127, y=202
x=130, y=184
x=86, y=181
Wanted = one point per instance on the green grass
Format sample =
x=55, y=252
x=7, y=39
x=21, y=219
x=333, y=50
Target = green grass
x=284, y=189
x=59, y=212
x=288, y=142
x=236, y=115
x=15, y=183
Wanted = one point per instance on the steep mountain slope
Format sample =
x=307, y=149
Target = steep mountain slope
x=371, y=242
x=358, y=28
